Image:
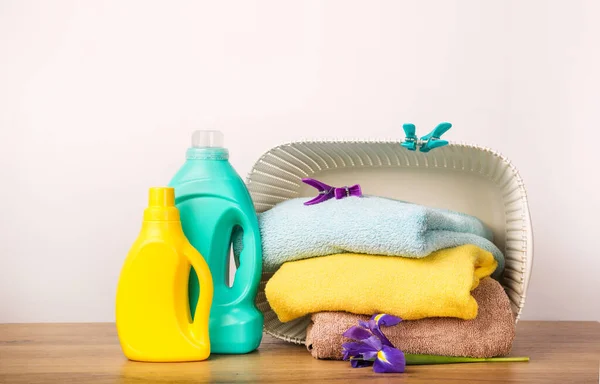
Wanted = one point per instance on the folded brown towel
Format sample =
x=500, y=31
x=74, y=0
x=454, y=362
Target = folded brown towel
x=490, y=334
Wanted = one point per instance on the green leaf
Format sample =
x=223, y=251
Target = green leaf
x=434, y=359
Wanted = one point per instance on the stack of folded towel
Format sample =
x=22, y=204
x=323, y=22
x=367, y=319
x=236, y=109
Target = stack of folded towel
x=344, y=260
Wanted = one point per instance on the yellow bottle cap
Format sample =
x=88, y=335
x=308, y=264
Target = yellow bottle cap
x=161, y=205
x=161, y=197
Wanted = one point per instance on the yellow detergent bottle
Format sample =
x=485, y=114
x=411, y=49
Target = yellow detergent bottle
x=153, y=315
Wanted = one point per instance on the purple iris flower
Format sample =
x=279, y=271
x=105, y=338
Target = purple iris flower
x=372, y=347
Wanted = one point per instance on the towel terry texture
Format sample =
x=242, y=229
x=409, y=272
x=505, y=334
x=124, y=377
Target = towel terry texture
x=438, y=285
x=490, y=334
x=370, y=225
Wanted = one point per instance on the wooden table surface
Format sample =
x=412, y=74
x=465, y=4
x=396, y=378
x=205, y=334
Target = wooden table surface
x=561, y=352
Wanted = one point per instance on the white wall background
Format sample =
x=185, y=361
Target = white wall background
x=98, y=100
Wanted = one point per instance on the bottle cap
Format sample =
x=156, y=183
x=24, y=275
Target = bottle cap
x=161, y=197
x=208, y=139
x=161, y=205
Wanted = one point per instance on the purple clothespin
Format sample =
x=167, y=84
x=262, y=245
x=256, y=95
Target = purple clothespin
x=327, y=192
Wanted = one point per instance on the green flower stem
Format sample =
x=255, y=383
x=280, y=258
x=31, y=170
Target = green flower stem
x=434, y=359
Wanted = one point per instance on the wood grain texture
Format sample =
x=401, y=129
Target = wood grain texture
x=561, y=352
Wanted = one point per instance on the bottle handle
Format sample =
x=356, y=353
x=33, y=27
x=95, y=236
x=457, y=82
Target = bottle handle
x=199, y=327
x=250, y=257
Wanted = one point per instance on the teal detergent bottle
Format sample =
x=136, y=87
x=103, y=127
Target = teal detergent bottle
x=214, y=203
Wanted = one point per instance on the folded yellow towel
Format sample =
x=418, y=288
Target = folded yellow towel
x=438, y=285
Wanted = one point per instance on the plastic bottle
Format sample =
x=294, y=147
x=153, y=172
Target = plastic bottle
x=214, y=202
x=153, y=316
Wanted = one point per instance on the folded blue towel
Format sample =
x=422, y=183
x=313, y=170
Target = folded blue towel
x=369, y=224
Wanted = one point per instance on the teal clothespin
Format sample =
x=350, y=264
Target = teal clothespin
x=425, y=143
x=432, y=139
x=410, y=142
